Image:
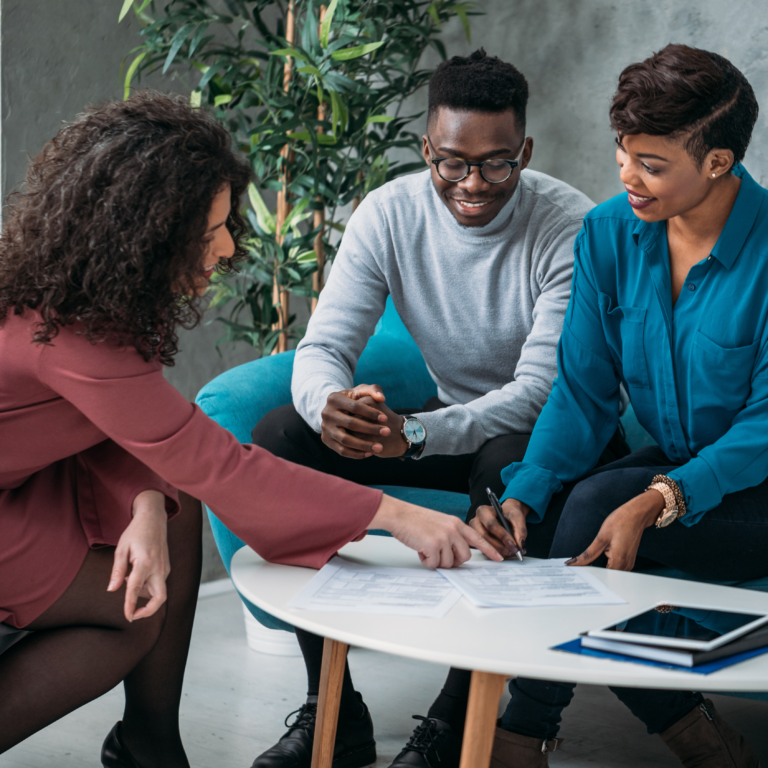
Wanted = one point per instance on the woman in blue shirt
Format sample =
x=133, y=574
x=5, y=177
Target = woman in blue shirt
x=670, y=299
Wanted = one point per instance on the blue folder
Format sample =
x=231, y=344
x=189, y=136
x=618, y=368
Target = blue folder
x=574, y=646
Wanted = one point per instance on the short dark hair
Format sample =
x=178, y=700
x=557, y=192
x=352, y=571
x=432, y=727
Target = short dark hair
x=682, y=90
x=478, y=82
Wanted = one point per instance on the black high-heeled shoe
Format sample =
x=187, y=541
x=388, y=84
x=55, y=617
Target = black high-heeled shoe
x=114, y=754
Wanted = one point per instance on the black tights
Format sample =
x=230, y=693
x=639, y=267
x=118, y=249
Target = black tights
x=82, y=646
x=312, y=649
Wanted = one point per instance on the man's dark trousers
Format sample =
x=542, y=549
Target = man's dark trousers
x=284, y=433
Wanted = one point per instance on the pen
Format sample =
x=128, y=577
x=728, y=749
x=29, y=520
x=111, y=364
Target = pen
x=503, y=520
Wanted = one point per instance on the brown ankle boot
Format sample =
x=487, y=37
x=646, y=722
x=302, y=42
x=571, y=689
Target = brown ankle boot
x=511, y=750
x=702, y=739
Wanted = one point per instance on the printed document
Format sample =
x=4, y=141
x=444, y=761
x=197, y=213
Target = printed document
x=352, y=588
x=531, y=583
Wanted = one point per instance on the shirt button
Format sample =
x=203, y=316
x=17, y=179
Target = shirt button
x=691, y=287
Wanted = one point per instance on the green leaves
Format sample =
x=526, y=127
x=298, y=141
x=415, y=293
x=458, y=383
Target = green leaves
x=176, y=42
x=131, y=72
x=126, y=7
x=325, y=27
x=265, y=218
x=329, y=134
x=289, y=52
x=346, y=54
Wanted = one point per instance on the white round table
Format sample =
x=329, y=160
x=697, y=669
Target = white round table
x=495, y=643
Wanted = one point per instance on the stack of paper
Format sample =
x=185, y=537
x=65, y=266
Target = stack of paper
x=354, y=588
x=529, y=584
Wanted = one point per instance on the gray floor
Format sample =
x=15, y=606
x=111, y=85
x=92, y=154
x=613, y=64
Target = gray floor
x=235, y=702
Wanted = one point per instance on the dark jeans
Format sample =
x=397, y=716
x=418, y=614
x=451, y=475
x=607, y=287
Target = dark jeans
x=284, y=433
x=727, y=544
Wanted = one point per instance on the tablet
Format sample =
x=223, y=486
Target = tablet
x=705, y=621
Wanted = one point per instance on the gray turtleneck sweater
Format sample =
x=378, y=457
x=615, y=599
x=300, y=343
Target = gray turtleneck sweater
x=485, y=305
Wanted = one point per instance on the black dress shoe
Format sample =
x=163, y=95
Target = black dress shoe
x=114, y=754
x=355, y=746
x=434, y=744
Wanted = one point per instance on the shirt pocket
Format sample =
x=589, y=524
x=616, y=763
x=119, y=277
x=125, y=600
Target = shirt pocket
x=721, y=376
x=625, y=328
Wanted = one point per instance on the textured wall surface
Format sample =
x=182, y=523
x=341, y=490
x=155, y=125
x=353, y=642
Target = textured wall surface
x=57, y=57
x=572, y=51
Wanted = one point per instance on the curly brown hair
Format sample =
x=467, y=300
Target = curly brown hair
x=108, y=228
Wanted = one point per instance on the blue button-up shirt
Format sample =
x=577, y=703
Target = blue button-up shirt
x=696, y=372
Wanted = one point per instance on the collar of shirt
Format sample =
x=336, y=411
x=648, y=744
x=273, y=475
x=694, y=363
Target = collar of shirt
x=736, y=230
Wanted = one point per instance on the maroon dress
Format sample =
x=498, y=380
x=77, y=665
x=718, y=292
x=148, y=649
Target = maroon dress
x=86, y=427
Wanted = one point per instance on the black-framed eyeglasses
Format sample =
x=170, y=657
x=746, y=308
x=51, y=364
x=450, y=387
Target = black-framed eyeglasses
x=452, y=169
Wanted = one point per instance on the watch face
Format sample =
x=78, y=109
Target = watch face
x=667, y=518
x=414, y=431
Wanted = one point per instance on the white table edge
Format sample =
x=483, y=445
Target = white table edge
x=595, y=672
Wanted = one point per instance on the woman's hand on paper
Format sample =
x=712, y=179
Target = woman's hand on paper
x=143, y=549
x=441, y=540
x=620, y=534
x=486, y=525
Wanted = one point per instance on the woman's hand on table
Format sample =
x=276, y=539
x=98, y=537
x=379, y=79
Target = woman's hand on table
x=441, y=540
x=620, y=534
x=486, y=525
x=143, y=548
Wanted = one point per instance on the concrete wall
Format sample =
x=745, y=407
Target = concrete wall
x=58, y=56
x=572, y=51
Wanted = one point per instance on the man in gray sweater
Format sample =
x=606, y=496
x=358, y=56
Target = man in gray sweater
x=477, y=256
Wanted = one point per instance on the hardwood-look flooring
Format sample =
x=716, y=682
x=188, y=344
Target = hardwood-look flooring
x=235, y=702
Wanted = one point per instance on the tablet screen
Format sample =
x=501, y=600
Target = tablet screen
x=704, y=623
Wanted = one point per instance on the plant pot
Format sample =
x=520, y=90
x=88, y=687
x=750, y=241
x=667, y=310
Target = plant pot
x=274, y=642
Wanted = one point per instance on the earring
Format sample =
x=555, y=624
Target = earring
x=713, y=175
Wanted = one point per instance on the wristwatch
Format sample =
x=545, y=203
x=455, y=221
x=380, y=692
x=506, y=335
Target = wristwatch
x=670, y=513
x=415, y=434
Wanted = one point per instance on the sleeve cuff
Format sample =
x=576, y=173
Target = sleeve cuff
x=172, y=504
x=438, y=442
x=700, y=488
x=532, y=485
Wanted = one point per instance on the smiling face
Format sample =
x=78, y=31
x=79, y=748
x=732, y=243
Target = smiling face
x=218, y=241
x=476, y=136
x=662, y=179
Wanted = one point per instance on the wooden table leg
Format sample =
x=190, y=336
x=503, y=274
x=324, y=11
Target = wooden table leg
x=331, y=680
x=484, y=693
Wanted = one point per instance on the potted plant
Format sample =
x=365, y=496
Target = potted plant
x=313, y=96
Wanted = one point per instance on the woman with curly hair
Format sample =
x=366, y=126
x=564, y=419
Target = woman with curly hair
x=124, y=217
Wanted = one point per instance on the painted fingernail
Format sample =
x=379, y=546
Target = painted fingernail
x=571, y=561
x=512, y=546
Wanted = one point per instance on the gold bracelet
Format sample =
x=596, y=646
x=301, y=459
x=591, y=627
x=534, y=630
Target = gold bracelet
x=675, y=488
